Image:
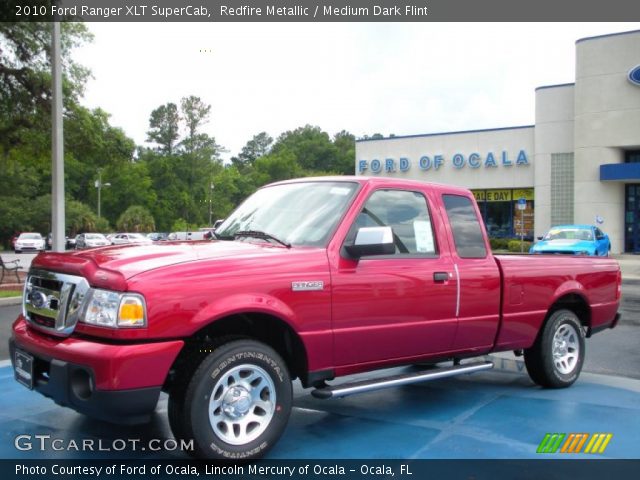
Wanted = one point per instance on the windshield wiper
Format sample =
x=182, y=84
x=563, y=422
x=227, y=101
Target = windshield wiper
x=262, y=235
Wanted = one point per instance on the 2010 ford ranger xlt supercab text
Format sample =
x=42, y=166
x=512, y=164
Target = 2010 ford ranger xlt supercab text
x=311, y=279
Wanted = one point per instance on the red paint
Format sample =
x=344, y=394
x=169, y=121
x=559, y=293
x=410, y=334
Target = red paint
x=372, y=313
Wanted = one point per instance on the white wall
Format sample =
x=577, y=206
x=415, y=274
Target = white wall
x=607, y=121
x=553, y=134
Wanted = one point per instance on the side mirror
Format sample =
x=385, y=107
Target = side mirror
x=217, y=223
x=539, y=238
x=372, y=241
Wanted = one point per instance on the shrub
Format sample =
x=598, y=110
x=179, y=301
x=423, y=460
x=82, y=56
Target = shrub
x=514, y=246
x=499, y=243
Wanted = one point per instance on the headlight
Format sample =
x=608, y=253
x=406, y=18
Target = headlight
x=115, y=310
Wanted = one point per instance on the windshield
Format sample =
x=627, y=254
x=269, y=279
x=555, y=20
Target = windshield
x=569, y=234
x=304, y=213
x=30, y=236
x=94, y=236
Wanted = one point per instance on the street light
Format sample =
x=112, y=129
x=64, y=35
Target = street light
x=212, y=186
x=99, y=186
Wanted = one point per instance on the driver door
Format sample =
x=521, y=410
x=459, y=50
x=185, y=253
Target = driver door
x=389, y=307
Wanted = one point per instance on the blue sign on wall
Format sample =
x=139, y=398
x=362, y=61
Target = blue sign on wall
x=634, y=75
x=458, y=161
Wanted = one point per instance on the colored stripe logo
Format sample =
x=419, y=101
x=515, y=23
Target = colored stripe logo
x=574, y=443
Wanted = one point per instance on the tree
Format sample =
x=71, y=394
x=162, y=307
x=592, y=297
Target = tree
x=25, y=75
x=164, y=128
x=91, y=143
x=311, y=147
x=131, y=184
x=136, y=219
x=257, y=147
x=195, y=114
x=80, y=218
x=345, y=144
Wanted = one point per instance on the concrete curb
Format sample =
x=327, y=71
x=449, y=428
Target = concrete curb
x=5, y=302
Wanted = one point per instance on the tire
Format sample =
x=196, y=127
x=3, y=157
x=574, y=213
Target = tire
x=555, y=359
x=236, y=404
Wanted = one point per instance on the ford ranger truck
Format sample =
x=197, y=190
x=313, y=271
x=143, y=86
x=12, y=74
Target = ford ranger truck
x=309, y=279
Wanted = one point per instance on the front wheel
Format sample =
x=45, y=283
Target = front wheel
x=237, y=403
x=555, y=359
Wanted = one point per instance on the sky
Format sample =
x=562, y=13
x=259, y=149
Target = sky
x=366, y=78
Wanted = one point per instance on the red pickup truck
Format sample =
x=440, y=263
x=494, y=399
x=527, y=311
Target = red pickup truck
x=311, y=279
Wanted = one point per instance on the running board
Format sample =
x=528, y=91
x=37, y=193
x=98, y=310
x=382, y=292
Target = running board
x=397, y=380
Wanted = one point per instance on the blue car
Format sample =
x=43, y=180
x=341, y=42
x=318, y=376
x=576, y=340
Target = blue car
x=574, y=240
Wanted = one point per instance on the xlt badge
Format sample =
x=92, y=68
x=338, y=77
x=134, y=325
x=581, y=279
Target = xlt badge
x=307, y=286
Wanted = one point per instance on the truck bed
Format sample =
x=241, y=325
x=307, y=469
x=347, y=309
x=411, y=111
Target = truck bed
x=532, y=284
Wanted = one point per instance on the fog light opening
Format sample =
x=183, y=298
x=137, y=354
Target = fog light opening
x=81, y=384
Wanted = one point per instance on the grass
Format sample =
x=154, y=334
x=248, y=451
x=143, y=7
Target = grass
x=10, y=293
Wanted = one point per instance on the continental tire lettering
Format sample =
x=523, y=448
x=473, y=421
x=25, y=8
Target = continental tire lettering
x=238, y=455
x=244, y=355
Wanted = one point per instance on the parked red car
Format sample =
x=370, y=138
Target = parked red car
x=311, y=279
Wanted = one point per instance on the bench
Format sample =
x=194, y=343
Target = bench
x=8, y=267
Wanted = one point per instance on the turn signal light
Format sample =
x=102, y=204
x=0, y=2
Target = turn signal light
x=131, y=313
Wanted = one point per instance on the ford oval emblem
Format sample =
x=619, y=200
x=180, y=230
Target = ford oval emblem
x=634, y=75
x=39, y=300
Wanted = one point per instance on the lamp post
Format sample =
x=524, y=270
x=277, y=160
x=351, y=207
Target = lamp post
x=212, y=186
x=99, y=186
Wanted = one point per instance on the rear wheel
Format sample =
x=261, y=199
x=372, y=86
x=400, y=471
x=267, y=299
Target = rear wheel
x=237, y=403
x=555, y=359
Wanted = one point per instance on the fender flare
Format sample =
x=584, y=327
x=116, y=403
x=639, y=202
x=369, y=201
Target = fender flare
x=243, y=303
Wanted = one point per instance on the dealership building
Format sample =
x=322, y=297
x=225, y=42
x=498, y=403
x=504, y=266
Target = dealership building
x=579, y=163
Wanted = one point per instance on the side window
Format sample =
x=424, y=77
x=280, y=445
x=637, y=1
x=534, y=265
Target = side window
x=408, y=216
x=467, y=230
x=599, y=234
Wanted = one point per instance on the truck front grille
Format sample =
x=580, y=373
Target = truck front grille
x=53, y=302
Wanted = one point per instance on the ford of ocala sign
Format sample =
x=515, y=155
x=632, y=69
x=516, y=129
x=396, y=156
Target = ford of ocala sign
x=435, y=162
x=634, y=75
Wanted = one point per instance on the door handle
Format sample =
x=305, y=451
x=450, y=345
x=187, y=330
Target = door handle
x=440, y=277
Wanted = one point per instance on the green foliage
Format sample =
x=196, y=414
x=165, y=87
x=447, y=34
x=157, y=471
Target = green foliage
x=499, y=243
x=79, y=218
x=25, y=79
x=510, y=244
x=257, y=147
x=515, y=246
x=136, y=219
x=163, y=127
x=102, y=225
x=37, y=218
x=180, y=225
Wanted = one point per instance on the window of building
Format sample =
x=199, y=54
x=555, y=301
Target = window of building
x=632, y=156
x=501, y=216
x=561, y=188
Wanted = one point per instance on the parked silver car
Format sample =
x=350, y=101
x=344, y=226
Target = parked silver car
x=91, y=240
x=130, y=238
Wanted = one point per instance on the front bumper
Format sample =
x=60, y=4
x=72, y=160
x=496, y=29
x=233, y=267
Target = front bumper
x=113, y=382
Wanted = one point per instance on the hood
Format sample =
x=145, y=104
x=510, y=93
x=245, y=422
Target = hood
x=116, y=264
x=563, y=245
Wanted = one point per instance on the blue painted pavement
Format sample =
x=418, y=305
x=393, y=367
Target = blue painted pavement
x=495, y=414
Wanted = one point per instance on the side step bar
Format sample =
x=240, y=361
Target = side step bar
x=397, y=380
